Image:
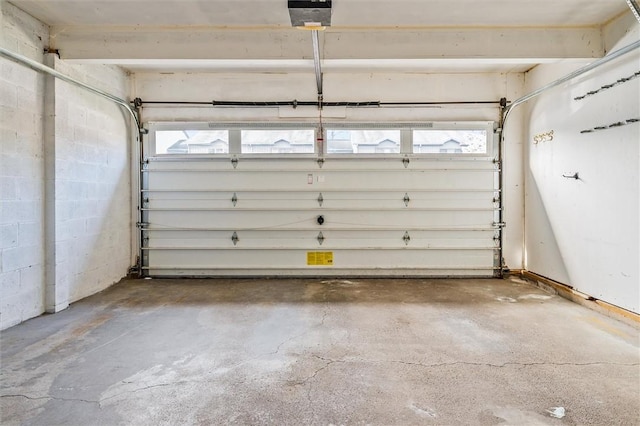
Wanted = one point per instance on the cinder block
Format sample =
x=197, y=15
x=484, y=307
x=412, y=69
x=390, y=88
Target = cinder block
x=8, y=95
x=9, y=284
x=77, y=114
x=30, y=144
x=27, y=78
x=8, y=117
x=33, y=277
x=31, y=234
x=10, y=42
x=8, y=188
x=30, y=210
x=80, y=133
x=30, y=51
x=29, y=188
x=8, y=236
x=9, y=213
x=10, y=312
x=9, y=69
x=28, y=100
x=20, y=257
x=9, y=142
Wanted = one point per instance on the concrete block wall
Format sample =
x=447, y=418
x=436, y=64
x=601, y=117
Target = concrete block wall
x=93, y=181
x=22, y=258
x=65, y=193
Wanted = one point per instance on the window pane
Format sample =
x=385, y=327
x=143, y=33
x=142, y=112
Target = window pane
x=340, y=141
x=450, y=141
x=192, y=142
x=278, y=141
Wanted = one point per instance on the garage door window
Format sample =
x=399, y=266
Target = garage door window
x=374, y=141
x=192, y=142
x=277, y=141
x=450, y=141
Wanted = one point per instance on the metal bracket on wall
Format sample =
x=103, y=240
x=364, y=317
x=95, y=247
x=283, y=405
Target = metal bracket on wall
x=612, y=125
x=406, y=238
x=320, y=238
x=572, y=176
x=235, y=238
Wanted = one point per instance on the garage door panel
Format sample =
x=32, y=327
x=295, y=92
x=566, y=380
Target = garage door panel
x=336, y=163
x=265, y=219
x=321, y=200
x=406, y=180
x=294, y=260
x=329, y=240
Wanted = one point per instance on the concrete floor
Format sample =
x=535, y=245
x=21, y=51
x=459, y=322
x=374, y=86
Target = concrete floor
x=387, y=352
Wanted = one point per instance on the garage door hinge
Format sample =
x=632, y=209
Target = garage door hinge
x=406, y=238
x=499, y=224
x=406, y=199
x=142, y=224
x=234, y=162
x=406, y=162
x=320, y=238
x=234, y=199
x=320, y=199
x=320, y=162
x=235, y=238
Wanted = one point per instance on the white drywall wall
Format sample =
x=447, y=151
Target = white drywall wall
x=342, y=86
x=65, y=224
x=586, y=232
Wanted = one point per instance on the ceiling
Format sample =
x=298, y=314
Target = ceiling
x=383, y=35
x=346, y=13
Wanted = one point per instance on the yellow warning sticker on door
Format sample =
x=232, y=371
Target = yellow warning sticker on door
x=320, y=258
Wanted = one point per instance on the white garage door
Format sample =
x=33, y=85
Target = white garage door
x=415, y=200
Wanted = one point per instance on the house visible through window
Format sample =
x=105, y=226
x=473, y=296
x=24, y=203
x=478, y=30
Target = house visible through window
x=277, y=141
x=192, y=142
x=450, y=141
x=340, y=141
